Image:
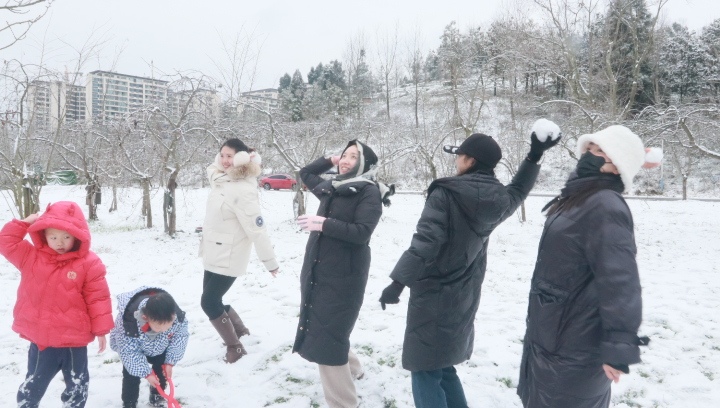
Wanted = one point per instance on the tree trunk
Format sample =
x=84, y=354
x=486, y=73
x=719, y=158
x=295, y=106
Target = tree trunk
x=169, y=213
x=387, y=94
x=299, y=199
x=299, y=203
x=146, y=209
x=26, y=195
x=417, y=102
x=113, y=203
x=523, y=218
x=92, y=197
x=685, y=187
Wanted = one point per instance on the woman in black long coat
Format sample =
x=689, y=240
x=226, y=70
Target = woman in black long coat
x=585, y=303
x=336, y=265
x=445, y=264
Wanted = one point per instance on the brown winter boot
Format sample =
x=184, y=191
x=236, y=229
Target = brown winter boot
x=224, y=327
x=237, y=322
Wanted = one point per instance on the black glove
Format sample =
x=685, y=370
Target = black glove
x=391, y=294
x=537, y=148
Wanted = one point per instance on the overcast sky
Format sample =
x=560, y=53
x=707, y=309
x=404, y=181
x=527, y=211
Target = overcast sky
x=156, y=37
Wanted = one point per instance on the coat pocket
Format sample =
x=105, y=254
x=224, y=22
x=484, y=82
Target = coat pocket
x=547, y=293
x=546, y=313
x=217, y=248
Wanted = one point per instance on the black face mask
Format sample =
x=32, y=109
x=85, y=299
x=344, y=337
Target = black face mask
x=589, y=165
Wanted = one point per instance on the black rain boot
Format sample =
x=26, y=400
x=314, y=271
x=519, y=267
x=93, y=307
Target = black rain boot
x=156, y=400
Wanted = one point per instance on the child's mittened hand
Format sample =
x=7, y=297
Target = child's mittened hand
x=31, y=218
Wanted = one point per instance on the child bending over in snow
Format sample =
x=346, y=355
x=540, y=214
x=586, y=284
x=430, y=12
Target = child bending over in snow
x=149, y=329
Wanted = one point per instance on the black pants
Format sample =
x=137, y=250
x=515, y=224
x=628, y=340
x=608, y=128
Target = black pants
x=215, y=286
x=131, y=384
x=42, y=367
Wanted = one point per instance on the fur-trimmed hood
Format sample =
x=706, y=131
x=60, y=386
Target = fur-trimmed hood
x=245, y=165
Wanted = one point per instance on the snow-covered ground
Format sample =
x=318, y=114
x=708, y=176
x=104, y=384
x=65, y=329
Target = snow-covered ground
x=678, y=253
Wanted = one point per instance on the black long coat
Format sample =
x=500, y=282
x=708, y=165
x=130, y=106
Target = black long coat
x=585, y=305
x=336, y=266
x=445, y=264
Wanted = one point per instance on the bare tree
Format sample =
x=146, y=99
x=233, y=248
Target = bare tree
x=237, y=66
x=414, y=64
x=182, y=132
x=18, y=17
x=387, y=46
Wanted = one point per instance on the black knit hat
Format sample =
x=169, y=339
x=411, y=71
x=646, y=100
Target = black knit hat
x=368, y=156
x=483, y=148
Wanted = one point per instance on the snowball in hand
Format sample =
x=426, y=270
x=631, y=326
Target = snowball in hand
x=544, y=128
x=653, y=155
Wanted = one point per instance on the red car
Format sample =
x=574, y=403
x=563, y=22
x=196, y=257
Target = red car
x=278, y=182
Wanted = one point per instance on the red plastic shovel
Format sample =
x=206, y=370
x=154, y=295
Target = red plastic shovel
x=170, y=397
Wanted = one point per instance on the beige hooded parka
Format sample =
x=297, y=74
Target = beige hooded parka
x=233, y=222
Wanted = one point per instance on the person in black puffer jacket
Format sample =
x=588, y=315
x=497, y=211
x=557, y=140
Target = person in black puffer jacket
x=336, y=266
x=445, y=264
x=585, y=303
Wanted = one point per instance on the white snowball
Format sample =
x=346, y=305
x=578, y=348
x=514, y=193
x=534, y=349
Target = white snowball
x=544, y=128
x=654, y=155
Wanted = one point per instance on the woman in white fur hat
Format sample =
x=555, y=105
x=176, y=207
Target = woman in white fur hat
x=233, y=224
x=585, y=303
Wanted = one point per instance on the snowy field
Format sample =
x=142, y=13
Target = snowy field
x=678, y=253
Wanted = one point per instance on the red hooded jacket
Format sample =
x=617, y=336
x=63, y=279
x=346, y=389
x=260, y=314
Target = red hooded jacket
x=63, y=299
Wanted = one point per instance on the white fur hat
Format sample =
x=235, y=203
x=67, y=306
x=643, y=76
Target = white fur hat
x=622, y=146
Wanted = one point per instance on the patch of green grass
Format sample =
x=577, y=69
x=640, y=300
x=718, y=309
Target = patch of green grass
x=390, y=362
x=366, y=349
x=389, y=403
x=507, y=381
x=629, y=397
x=278, y=400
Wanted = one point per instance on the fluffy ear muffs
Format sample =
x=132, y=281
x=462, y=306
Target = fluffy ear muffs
x=241, y=159
x=255, y=158
x=217, y=161
x=653, y=157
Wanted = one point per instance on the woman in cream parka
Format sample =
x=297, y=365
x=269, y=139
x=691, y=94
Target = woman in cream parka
x=233, y=224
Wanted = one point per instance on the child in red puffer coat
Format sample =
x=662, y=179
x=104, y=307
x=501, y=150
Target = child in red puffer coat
x=63, y=301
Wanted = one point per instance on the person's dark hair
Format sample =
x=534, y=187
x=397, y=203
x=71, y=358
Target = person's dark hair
x=237, y=145
x=582, y=193
x=160, y=307
x=478, y=167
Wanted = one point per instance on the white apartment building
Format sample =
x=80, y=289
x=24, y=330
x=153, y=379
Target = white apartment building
x=113, y=94
x=51, y=103
x=205, y=102
x=264, y=99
